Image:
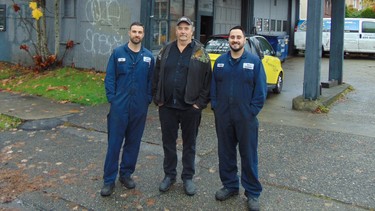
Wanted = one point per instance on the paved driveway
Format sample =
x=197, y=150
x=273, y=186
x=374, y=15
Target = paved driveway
x=354, y=113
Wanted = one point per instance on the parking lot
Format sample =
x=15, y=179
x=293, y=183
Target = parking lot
x=353, y=113
x=307, y=161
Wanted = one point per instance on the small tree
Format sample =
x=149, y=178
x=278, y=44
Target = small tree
x=42, y=57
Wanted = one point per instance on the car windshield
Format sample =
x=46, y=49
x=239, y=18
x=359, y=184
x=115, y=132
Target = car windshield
x=217, y=45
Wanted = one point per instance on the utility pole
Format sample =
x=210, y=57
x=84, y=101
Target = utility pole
x=311, y=81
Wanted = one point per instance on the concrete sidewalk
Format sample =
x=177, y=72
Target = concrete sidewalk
x=307, y=161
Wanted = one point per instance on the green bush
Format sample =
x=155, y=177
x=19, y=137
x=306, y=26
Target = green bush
x=351, y=12
x=368, y=13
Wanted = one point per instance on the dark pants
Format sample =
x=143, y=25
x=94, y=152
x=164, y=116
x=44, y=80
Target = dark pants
x=244, y=133
x=125, y=130
x=170, y=120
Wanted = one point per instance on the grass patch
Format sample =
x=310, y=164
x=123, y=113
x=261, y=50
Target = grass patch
x=63, y=85
x=7, y=122
x=9, y=71
x=5, y=73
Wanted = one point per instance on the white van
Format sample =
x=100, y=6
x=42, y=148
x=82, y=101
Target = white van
x=359, y=35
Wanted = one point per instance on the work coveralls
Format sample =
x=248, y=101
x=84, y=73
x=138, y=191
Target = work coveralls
x=128, y=84
x=238, y=92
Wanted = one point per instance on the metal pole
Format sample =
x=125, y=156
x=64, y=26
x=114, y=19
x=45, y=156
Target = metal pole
x=336, y=58
x=311, y=81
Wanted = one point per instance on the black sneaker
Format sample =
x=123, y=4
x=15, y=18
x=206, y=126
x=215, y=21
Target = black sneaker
x=166, y=184
x=224, y=193
x=253, y=204
x=189, y=187
x=107, y=190
x=128, y=182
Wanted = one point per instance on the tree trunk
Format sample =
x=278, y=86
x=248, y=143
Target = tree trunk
x=38, y=38
x=43, y=31
x=57, y=27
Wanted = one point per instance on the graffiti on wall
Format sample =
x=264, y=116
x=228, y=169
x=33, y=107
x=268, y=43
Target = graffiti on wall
x=103, y=12
x=100, y=43
x=108, y=22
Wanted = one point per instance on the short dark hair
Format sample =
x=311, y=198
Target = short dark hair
x=137, y=24
x=238, y=27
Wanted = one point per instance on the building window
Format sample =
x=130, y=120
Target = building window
x=258, y=24
x=279, y=25
x=285, y=25
x=266, y=25
x=160, y=23
x=189, y=9
x=165, y=15
x=273, y=25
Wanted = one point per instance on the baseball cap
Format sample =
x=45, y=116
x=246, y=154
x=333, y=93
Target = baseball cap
x=184, y=19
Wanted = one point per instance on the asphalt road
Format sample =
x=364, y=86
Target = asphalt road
x=307, y=161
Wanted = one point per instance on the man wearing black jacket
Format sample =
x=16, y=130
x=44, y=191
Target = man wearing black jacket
x=181, y=88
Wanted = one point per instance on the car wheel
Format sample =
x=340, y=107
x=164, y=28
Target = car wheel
x=279, y=85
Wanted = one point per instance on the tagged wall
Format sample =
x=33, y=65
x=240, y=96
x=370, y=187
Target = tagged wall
x=96, y=26
x=102, y=26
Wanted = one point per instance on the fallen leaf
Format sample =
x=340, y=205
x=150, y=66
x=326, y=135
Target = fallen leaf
x=50, y=88
x=151, y=157
x=150, y=202
x=124, y=195
x=74, y=111
x=328, y=204
x=212, y=170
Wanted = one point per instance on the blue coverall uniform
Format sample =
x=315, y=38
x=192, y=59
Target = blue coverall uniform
x=238, y=92
x=128, y=84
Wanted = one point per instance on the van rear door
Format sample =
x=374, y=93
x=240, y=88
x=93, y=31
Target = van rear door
x=367, y=37
x=300, y=35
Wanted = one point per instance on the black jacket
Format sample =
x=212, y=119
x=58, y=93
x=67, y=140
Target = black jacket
x=198, y=77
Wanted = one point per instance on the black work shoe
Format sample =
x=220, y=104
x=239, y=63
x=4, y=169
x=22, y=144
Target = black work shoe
x=128, y=182
x=107, y=190
x=189, y=187
x=166, y=184
x=253, y=204
x=224, y=193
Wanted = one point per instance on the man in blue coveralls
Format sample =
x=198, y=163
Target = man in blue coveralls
x=238, y=93
x=128, y=84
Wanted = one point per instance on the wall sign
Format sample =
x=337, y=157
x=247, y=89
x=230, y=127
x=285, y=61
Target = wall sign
x=2, y=17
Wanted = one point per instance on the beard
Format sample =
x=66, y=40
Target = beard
x=135, y=41
x=236, y=49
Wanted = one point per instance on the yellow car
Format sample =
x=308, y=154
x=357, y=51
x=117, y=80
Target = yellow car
x=258, y=45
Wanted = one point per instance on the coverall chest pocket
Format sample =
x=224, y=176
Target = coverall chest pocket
x=219, y=74
x=122, y=68
x=248, y=75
